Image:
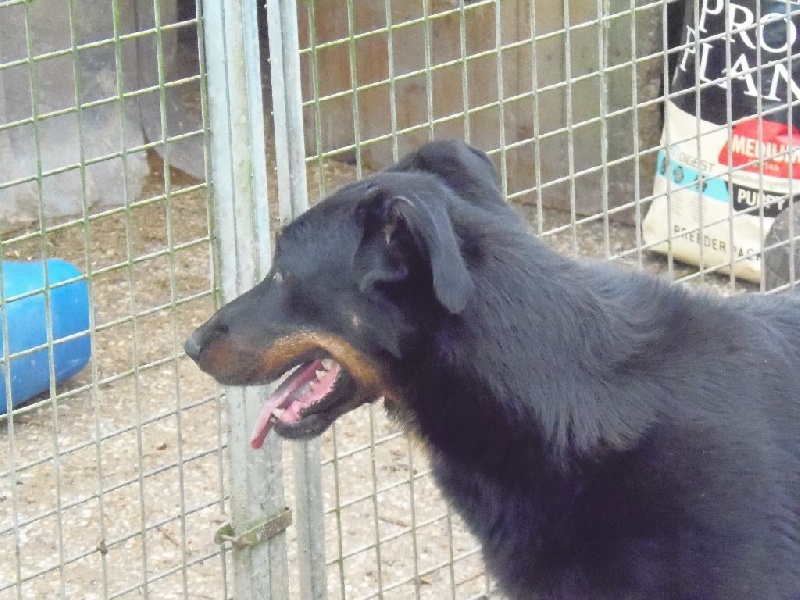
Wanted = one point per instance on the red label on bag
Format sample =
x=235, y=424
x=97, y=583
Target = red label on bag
x=757, y=142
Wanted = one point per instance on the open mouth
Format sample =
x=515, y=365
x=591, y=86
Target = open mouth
x=313, y=394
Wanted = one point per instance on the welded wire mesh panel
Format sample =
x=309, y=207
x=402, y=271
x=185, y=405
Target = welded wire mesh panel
x=568, y=98
x=111, y=478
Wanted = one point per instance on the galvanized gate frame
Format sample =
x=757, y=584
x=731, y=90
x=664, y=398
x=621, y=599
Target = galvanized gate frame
x=236, y=115
x=287, y=100
x=241, y=226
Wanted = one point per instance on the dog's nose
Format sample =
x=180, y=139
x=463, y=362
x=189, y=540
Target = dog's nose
x=193, y=347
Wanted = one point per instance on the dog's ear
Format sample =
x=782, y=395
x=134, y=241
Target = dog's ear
x=397, y=230
x=466, y=170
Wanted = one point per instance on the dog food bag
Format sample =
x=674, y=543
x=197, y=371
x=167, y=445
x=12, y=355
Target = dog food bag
x=731, y=141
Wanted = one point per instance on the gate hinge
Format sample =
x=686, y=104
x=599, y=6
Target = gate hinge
x=255, y=532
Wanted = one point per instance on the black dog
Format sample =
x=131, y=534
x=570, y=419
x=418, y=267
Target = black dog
x=604, y=434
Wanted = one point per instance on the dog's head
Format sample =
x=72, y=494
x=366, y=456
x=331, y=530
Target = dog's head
x=357, y=284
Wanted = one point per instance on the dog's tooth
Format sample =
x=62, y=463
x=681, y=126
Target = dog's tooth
x=327, y=363
x=320, y=374
x=278, y=412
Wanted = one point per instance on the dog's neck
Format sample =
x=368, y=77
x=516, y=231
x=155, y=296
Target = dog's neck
x=545, y=314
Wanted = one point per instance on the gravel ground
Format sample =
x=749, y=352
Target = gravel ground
x=121, y=478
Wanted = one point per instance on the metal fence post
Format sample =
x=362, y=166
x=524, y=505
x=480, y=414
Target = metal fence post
x=242, y=230
x=293, y=200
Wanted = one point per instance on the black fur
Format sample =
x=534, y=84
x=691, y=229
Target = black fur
x=604, y=434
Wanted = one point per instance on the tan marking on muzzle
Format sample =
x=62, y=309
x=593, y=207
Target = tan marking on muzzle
x=286, y=349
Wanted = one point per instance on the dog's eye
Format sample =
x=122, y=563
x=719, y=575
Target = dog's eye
x=277, y=277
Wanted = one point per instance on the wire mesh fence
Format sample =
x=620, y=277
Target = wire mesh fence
x=157, y=145
x=111, y=478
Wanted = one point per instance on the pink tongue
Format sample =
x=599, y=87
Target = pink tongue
x=286, y=394
x=281, y=398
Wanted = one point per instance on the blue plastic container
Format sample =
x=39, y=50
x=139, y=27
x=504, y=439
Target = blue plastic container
x=27, y=327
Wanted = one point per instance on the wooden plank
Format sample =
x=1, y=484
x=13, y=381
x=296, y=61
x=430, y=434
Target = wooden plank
x=568, y=129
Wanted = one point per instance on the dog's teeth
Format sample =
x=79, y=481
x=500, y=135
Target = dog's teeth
x=320, y=374
x=278, y=412
x=327, y=363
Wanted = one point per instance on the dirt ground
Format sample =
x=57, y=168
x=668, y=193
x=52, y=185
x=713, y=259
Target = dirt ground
x=114, y=488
